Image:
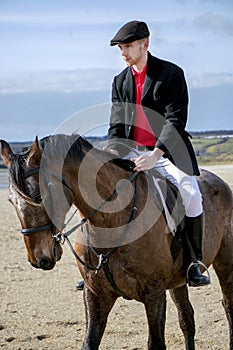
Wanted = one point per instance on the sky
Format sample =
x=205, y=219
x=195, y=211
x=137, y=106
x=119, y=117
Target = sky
x=55, y=61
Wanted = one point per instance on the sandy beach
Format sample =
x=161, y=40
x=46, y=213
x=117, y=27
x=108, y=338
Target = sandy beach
x=42, y=310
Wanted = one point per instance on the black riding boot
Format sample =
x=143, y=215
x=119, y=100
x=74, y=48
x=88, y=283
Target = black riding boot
x=194, y=228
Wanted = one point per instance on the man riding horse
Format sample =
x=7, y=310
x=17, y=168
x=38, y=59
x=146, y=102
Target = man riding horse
x=149, y=113
x=153, y=89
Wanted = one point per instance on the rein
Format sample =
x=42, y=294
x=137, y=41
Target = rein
x=103, y=258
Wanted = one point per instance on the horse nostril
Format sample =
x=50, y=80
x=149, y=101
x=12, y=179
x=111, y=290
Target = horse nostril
x=46, y=264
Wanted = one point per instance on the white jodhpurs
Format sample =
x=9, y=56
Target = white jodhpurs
x=187, y=185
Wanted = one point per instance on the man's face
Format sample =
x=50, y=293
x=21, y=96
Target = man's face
x=134, y=52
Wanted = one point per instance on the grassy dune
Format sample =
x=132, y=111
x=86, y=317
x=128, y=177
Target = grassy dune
x=214, y=150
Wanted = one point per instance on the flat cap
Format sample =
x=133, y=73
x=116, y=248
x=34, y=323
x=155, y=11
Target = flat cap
x=130, y=32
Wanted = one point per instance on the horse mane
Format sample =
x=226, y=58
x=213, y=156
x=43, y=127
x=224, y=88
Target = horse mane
x=72, y=146
x=75, y=146
x=61, y=147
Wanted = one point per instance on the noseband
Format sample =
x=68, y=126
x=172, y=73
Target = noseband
x=30, y=231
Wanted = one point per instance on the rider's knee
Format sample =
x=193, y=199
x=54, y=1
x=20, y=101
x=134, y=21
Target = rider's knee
x=194, y=207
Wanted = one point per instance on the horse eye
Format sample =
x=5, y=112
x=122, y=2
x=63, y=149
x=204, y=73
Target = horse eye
x=38, y=199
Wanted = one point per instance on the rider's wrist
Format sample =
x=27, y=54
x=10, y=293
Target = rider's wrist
x=157, y=153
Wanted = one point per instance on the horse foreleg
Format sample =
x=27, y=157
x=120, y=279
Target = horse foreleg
x=185, y=314
x=155, y=306
x=97, y=308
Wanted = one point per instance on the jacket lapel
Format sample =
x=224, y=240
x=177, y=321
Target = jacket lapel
x=128, y=86
x=147, y=84
x=152, y=69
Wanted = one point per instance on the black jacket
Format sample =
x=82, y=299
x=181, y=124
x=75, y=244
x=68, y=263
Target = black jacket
x=165, y=103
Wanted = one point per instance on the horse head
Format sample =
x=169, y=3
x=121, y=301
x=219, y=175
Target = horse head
x=32, y=202
x=61, y=170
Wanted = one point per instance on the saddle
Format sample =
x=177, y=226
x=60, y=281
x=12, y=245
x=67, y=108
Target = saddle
x=168, y=198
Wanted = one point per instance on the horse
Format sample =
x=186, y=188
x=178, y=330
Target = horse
x=122, y=247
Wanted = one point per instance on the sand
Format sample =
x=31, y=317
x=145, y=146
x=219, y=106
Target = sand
x=42, y=310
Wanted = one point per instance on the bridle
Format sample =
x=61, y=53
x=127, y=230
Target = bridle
x=63, y=235
x=50, y=225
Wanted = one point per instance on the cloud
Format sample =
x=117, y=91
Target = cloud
x=67, y=19
x=209, y=80
x=216, y=23
x=78, y=80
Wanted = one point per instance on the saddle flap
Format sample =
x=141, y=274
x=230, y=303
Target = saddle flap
x=168, y=198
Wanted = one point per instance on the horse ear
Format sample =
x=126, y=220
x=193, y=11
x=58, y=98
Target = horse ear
x=34, y=156
x=6, y=153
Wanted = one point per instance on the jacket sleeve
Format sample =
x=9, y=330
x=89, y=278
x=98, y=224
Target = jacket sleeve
x=176, y=109
x=116, y=127
x=117, y=137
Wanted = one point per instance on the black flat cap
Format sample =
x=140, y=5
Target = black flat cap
x=130, y=32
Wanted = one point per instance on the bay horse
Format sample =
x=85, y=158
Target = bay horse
x=122, y=245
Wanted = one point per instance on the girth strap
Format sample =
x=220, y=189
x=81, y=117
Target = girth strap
x=110, y=279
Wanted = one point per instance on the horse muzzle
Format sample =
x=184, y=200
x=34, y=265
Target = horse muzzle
x=48, y=263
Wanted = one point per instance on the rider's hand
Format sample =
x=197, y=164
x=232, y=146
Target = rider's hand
x=148, y=160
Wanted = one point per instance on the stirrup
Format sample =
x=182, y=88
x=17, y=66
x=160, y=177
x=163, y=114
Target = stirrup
x=197, y=263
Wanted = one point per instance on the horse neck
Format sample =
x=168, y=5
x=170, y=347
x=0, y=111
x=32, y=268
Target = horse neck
x=97, y=180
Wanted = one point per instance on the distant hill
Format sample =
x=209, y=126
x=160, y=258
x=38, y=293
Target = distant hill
x=214, y=147
x=211, y=147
